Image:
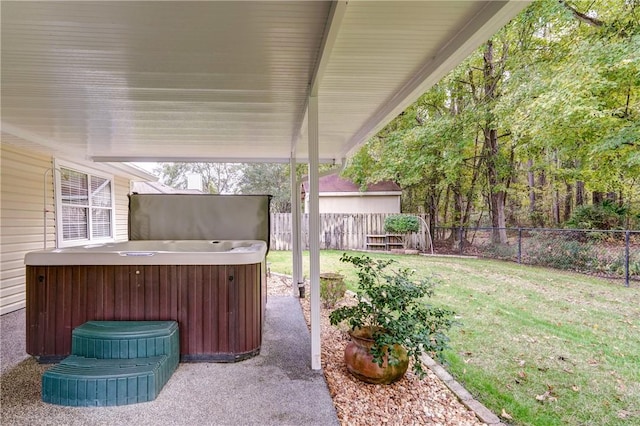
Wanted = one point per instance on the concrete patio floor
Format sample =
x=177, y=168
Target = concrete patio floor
x=276, y=387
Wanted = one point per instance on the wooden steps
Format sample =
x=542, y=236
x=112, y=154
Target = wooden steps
x=114, y=363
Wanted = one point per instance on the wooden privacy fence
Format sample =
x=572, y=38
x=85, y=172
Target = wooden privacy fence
x=339, y=231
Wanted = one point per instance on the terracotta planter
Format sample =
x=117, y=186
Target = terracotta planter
x=359, y=361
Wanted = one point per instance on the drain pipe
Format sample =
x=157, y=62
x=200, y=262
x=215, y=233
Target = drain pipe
x=44, y=205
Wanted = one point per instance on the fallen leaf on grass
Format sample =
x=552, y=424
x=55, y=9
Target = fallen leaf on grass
x=623, y=414
x=505, y=415
x=575, y=388
x=542, y=397
x=549, y=395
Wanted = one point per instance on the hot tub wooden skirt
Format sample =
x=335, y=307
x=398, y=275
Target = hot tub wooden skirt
x=219, y=308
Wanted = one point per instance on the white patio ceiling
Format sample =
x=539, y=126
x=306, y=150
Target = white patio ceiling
x=224, y=81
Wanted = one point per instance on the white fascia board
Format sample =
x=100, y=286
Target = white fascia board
x=132, y=171
x=126, y=170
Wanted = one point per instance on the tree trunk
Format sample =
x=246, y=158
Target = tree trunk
x=457, y=206
x=596, y=198
x=568, y=197
x=556, y=207
x=535, y=216
x=445, y=214
x=579, y=193
x=497, y=197
x=532, y=188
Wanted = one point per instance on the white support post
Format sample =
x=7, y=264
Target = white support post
x=296, y=249
x=314, y=233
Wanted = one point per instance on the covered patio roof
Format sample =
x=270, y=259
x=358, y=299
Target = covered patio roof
x=224, y=80
x=228, y=81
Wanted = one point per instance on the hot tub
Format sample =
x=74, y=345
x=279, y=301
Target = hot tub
x=214, y=289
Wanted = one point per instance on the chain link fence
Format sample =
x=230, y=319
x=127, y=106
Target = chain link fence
x=612, y=255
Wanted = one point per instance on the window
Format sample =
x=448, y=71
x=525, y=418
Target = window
x=85, y=203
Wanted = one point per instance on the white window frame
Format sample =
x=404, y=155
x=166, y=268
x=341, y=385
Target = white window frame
x=60, y=241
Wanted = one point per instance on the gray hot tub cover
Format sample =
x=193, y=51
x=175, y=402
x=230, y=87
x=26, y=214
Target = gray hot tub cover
x=199, y=217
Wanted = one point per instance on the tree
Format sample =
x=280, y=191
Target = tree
x=217, y=178
x=541, y=115
x=268, y=178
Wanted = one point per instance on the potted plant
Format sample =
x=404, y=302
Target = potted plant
x=391, y=322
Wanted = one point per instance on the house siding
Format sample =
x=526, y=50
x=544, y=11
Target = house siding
x=360, y=204
x=121, y=208
x=22, y=218
x=22, y=182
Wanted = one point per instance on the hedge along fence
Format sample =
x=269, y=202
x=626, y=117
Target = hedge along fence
x=613, y=255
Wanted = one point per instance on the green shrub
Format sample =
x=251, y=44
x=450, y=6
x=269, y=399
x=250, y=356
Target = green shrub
x=560, y=252
x=607, y=215
x=500, y=251
x=393, y=302
x=332, y=288
x=401, y=224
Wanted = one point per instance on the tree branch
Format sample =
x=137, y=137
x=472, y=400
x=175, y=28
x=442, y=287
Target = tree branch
x=594, y=22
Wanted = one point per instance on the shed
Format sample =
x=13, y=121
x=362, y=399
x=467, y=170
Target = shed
x=340, y=195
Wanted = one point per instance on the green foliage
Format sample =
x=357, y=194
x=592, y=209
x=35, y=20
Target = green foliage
x=394, y=304
x=217, y=178
x=401, y=224
x=565, y=106
x=615, y=265
x=607, y=215
x=500, y=251
x=332, y=288
x=561, y=251
x=268, y=178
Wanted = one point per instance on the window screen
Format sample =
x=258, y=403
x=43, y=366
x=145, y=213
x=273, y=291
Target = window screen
x=86, y=206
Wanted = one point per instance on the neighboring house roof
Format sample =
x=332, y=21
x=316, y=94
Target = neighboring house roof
x=160, y=188
x=334, y=183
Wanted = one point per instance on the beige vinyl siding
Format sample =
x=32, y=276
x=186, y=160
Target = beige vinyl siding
x=121, y=186
x=22, y=182
x=22, y=218
x=360, y=204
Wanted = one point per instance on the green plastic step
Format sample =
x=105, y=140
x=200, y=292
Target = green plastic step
x=79, y=381
x=126, y=339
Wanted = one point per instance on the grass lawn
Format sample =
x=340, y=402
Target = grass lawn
x=547, y=347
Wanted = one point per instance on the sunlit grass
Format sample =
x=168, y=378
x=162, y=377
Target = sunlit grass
x=547, y=347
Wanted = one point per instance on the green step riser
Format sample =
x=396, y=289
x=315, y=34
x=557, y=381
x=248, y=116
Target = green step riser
x=114, y=363
x=91, y=367
x=101, y=392
x=73, y=385
x=124, y=348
